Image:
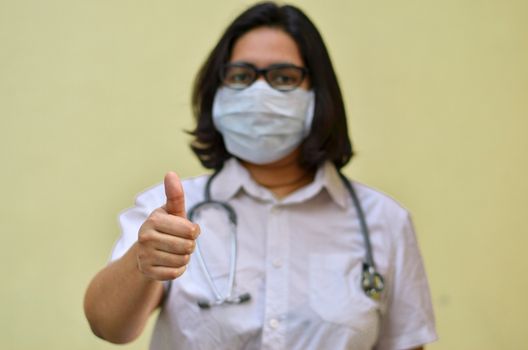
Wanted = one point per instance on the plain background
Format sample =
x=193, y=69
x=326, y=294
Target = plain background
x=94, y=101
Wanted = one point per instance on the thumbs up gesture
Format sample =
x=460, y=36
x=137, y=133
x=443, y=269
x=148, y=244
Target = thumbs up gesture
x=166, y=239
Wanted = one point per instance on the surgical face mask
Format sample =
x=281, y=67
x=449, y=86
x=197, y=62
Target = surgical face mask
x=260, y=124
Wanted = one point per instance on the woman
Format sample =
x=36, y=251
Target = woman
x=271, y=124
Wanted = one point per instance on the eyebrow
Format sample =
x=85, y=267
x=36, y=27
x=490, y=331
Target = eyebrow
x=270, y=65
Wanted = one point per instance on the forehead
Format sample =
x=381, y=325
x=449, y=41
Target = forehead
x=264, y=46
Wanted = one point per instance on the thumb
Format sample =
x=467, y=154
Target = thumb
x=174, y=193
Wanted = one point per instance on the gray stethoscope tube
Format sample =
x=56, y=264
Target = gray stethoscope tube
x=220, y=298
x=371, y=282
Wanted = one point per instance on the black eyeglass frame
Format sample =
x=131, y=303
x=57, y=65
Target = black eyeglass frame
x=262, y=72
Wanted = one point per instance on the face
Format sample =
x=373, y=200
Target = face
x=266, y=46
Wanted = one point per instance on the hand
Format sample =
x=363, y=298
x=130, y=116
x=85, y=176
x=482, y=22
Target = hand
x=166, y=239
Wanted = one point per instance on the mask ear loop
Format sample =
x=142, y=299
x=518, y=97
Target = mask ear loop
x=372, y=282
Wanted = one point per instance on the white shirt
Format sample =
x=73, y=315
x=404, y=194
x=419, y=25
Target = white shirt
x=300, y=258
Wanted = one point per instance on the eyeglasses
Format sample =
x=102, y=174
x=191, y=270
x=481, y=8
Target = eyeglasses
x=282, y=77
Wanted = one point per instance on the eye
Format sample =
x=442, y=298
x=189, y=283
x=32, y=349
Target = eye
x=285, y=78
x=238, y=77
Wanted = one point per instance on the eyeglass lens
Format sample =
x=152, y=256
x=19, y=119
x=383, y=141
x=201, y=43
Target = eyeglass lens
x=282, y=78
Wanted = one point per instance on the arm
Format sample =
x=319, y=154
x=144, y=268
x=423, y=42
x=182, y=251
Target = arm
x=121, y=297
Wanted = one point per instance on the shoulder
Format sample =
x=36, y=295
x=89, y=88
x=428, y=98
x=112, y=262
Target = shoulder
x=381, y=207
x=373, y=196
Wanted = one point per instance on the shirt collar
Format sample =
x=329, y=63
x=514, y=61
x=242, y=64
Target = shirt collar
x=333, y=183
x=229, y=181
x=234, y=177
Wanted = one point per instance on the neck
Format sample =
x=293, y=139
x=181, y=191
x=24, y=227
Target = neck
x=282, y=177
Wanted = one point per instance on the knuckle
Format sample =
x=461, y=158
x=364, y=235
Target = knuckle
x=159, y=210
x=154, y=218
x=181, y=270
x=145, y=237
x=195, y=231
x=175, y=273
x=185, y=259
x=189, y=246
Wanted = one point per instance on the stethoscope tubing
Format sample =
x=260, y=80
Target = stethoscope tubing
x=372, y=282
x=362, y=221
x=192, y=214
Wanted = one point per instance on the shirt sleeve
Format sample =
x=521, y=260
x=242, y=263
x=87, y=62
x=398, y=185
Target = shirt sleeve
x=408, y=320
x=130, y=220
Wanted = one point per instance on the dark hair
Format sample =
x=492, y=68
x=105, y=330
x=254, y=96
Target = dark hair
x=328, y=138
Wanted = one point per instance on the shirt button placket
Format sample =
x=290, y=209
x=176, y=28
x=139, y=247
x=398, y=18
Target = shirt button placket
x=277, y=263
x=274, y=323
x=274, y=332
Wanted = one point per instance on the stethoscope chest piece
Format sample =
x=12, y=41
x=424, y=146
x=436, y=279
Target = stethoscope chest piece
x=372, y=282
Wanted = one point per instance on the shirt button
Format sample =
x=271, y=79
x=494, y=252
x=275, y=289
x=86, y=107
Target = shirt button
x=274, y=323
x=277, y=263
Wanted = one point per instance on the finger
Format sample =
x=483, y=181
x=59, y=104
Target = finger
x=175, y=245
x=172, y=225
x=174, y=193
x=163, y=273
x=162, y=258
x=150, y=239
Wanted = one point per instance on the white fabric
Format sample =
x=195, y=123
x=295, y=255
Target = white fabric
x=300, y=258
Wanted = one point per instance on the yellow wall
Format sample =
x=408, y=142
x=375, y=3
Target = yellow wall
x=94, y=96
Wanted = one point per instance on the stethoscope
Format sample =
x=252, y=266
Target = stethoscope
x=372, y=282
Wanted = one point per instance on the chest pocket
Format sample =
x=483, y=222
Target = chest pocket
x=336, y=296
